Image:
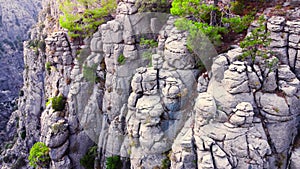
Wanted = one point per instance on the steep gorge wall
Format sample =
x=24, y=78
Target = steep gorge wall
x=231, y=117
x=16, y=18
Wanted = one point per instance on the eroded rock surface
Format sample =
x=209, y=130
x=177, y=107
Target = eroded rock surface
x=152, y=106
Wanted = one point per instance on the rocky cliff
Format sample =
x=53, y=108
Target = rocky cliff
x=153, y=107
x=16, y=18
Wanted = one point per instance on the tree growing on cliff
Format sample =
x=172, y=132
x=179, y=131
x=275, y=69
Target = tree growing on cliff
x=256, y=51
x=82, y=17
x=208, y=19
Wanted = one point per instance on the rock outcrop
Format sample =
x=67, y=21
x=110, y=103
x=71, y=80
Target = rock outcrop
x=16, y=18
x=152, y=106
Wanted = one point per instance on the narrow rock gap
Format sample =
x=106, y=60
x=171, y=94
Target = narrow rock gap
x=287, y=50
x=157, y=78
x=295, y=62
x=212, y=155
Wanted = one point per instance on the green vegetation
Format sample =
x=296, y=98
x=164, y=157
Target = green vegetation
x=88, y=160
x=238, y=24
x=214, y=33
x=33, y=43
x=37, y=44
x=255, y=50
x=89, y=15
x=148, y=43
x=113, y=162
x=166, y=163
x=48, y=66
x=39, y=155
x=58, y=103
x=121, y=59
x=207, y=19
x=153, y=5
x=257, y=42
x=200, y=11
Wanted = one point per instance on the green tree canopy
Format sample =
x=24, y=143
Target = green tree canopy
x=82, y=17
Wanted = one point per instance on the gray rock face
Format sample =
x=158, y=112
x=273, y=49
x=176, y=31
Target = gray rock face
x=152, y=106
x=16, y=18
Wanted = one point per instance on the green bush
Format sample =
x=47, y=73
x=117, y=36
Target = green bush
x=196, y=8
x=257, y=42
x=88, y=160
x=207, y=20
x=58, y=103
x=153, y=5
x=33, y=43
x=39, y=155
x=148, y=43
x=201, y=20
x=113, y=162
x=196, y=28
x=256, y=46
x=121, y=59
x=83, y=24
x=48, y=66
x=238, y=24
x=166, y=163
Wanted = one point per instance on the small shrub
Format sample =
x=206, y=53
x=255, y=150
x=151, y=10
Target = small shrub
x=39, y=155
x=196, y=28
x=83, y=24
x=58, y=103
x=166, y=163
x=153, y=5
x=113, y=162
x=36, y=51
x=200, y=11
x=257, y=42
x=33, y=43
x=148, y=43
x=88, y=160
x=238, y=24
x=48, y=66
x=121, y=59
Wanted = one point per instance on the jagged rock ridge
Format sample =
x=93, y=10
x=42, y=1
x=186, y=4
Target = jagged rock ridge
x=232, y=117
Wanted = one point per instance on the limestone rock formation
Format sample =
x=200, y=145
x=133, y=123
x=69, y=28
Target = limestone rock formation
x=153, y=107
x=16, y=18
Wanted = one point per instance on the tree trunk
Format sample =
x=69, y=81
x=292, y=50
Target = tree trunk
x=213, y=15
